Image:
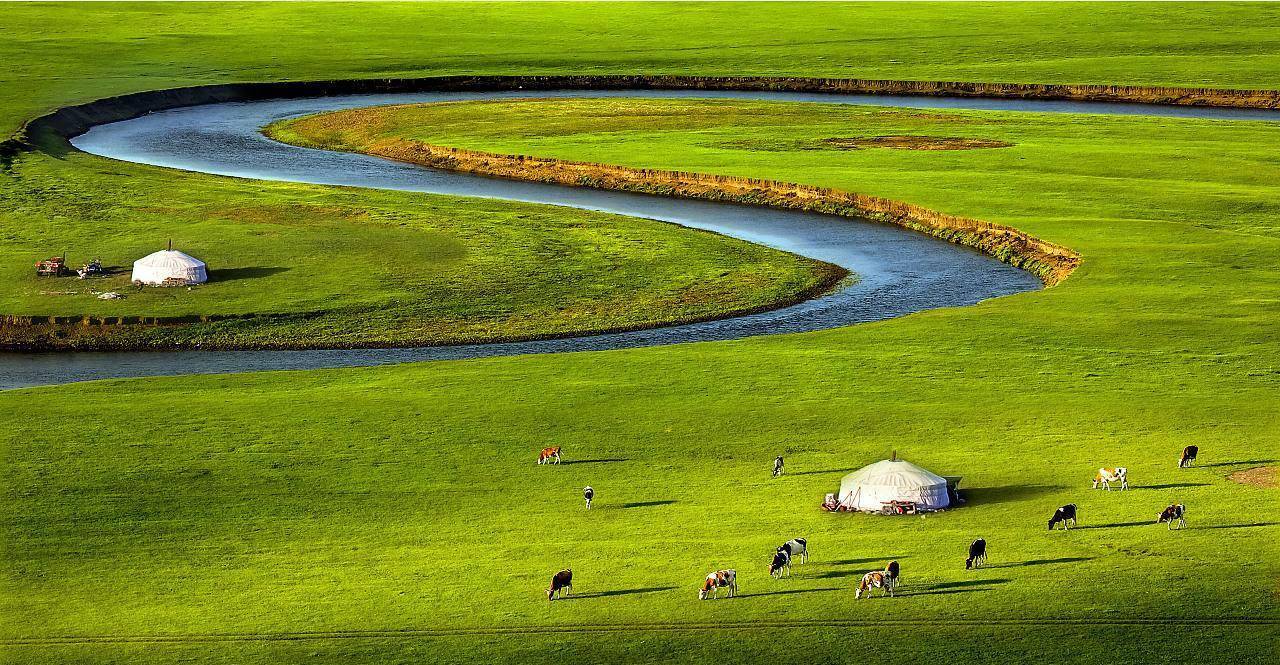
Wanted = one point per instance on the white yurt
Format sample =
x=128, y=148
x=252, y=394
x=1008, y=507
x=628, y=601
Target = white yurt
x=871, y=487
x=169, y=264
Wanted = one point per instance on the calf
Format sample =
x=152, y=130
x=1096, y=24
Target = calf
x=721, y=579
x=892, y=571
x=1107, y=476
x=876, y=579
x=549, y=456
x=781, y=564
x=977, y=554
x=559, y=582
x=1175, y=513
x=1066, y=515
x=1188, y=456
x=796, y=547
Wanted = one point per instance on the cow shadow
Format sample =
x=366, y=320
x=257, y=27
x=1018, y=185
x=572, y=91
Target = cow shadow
x=255, y=272
x=609, y=460
x=1114, y=525
x=1250, y=461
x=647, y=504
x=1238, y=526
x=1041, y=562
x=981, y=495
x=1169, y=486
x=617, y=592
x=957, y=586
x=788, y=592
x=874, y=559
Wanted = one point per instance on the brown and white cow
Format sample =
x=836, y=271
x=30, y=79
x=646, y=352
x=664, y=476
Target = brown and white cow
x=1174, y=514
x=1188, y=456
x=876, y=579
x=1107, y=476
x=549, y=456
x=721, y=579
x=559, y=582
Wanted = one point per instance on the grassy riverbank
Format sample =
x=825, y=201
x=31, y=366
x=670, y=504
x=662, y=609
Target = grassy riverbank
x=406, y=498
x=305, y=266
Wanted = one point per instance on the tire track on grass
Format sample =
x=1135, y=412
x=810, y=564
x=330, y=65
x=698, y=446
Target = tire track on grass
x=653, y=627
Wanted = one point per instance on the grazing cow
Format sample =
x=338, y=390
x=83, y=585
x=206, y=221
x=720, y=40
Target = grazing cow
x=977, y=554
x=1066, y=515
x=721, y=579
x=1188, y=456
x=796, y=547
x=1107, y=476
x=1175, y=513
x=892, y=571
x=549, y=456
x=777, y=466
x=559, y=582
x=588, y=494
x=781, y=564
x=876, y=579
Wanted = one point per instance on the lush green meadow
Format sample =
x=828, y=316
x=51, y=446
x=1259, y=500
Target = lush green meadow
x=324, y=266
x=373, y=503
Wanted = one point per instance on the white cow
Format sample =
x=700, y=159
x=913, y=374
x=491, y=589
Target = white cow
x=1107, y=476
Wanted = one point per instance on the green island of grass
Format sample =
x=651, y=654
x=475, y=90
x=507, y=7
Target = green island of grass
x=395, y=514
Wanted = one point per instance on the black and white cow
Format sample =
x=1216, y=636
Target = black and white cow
x=796, y=547
x=777, y=466
x=977, y=554
x=588, y=494
x=1066, y=515
x=559, y=582
x=1188, y=456
x=1175, y=513
x=780, y=566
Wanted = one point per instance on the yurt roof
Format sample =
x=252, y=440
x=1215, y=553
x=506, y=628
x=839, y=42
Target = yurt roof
x=893, y=473
x=169, y=258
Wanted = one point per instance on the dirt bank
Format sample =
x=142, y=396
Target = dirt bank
x=1050, y=262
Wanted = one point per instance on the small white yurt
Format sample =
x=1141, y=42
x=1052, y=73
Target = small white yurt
x=871, y=487
x=169, y=264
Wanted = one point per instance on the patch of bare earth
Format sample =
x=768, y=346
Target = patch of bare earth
x=908, y=142
x=1261, y=476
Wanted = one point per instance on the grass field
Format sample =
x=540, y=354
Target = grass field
x=377, y=501
x=335, y=266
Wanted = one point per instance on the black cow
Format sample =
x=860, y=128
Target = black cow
x=977, y=554
x=559, y=582
x=781, y=564
x=1066, y=515
x=892, y=570
x=1188, y=456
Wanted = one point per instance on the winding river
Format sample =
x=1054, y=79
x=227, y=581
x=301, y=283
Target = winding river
x=899, y=272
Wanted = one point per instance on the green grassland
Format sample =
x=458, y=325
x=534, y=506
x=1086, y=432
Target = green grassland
x=406, y=498
x=337, y=266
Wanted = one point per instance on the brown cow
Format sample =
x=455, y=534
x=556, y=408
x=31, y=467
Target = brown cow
x=559, y=582
x=549, y=454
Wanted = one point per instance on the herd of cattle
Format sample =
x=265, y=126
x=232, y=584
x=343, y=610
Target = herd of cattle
x=887, y=580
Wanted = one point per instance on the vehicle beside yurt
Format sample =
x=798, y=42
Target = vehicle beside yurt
x=169, y=267
x=893, y=486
